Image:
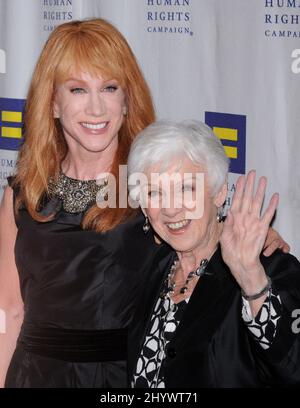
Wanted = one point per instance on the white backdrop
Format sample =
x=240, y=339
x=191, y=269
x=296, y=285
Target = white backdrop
x=234, y=64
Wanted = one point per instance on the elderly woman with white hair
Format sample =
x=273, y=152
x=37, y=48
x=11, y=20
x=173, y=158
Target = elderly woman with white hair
x=215, y=312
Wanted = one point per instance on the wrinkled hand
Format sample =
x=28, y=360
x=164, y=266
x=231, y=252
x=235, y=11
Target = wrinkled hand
x=244, y=232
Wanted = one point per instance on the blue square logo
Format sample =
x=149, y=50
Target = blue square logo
x=11, y=123
x=231, y=130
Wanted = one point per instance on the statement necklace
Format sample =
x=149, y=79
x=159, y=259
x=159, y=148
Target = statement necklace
x=77, y=195
x=170, y=284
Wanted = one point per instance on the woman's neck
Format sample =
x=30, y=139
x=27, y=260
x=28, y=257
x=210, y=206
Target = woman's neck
x=85, y=168
x=190, y=260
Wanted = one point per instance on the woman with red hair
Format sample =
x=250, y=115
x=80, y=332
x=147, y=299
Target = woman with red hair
x=72, y=285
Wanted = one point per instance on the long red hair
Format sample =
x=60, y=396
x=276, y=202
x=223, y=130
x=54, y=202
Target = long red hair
x=93, y=46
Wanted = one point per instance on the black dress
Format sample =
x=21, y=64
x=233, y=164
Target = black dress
x=78, y=289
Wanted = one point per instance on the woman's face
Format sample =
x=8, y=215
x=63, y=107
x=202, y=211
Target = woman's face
x=183, y=214
x=91, y=112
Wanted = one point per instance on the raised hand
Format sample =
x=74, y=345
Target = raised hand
x=244, y=232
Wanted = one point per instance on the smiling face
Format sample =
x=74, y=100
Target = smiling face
x=175, y=224
x=91, y=112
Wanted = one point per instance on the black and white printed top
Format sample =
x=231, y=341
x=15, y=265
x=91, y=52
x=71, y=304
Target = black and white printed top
x=149, y=372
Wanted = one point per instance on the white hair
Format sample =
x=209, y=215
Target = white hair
x=163, y=141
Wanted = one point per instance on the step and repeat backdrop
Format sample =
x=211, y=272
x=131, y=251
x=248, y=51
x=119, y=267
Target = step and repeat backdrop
x=234, y=64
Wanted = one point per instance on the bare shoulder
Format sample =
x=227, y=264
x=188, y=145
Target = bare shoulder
x=7, y=218
x=8, y=228
x=7, y=196
x=10, y=296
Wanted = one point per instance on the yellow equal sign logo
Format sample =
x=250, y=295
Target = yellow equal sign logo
x=11, y=131
x=228, y=134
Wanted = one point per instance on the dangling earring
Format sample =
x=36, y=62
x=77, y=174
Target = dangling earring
x=220, y=215
x=146, y=225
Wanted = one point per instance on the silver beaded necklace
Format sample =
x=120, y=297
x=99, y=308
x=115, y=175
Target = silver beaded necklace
x=170, y=284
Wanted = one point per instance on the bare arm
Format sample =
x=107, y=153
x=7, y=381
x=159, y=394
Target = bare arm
x=11, y=305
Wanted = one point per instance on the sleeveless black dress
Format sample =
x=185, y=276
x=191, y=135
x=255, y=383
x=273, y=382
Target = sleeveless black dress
x=79, y=289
